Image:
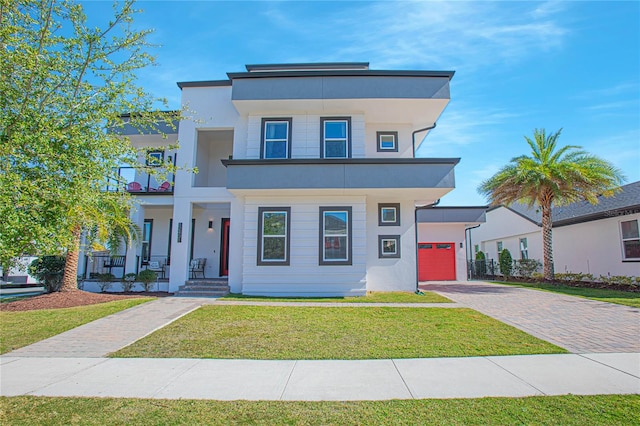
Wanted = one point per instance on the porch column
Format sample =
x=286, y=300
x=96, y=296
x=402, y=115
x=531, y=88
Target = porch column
x=236, y=233
x=134, y=250
x=180, y=243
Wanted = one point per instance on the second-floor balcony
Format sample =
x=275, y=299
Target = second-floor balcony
x=139, y=182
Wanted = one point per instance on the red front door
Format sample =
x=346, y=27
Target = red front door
x=436, y=261
x=224, y=249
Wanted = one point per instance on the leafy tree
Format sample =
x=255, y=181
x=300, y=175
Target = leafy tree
x=64, y=90
x=551, y=175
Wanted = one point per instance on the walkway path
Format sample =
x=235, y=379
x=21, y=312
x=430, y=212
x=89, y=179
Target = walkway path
x=576, y=324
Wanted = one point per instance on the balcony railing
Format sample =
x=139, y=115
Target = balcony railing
x=139, y=182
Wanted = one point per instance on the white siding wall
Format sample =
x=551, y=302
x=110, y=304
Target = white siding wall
x=391, y=274
x=593, y=247
x=304, y=276
x=305, y=135
x=447, y=233
x=506, y=226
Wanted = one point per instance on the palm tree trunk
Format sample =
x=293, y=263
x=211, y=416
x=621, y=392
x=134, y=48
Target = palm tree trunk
x=70, y=277
x=547, y=241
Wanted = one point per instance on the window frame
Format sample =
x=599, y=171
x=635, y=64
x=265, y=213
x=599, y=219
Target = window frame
x=323, y=141
x=263, y=142
x=287, y=237
x=524, y=252
x=381, y=253
x=381, y=207
x=499, y=246
x=155, y=158
x=623, y=239
x=146, y=241
x=321, y=246
x=379, y=141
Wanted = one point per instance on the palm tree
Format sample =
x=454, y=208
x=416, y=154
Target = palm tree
x=551, y=176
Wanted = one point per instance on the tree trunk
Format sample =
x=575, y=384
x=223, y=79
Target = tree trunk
x=547, y=240
x=70, y=277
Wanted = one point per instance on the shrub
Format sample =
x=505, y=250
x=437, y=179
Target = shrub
x=525, y=268
x=506, y=263
x=128, y=281
x=48, y=270
x=147, y=278
x=480, y=255
x=105, y=281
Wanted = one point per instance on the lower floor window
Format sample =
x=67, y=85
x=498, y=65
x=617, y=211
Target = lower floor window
x=335, y=236
x=388, y=246
x=273, y=235
x=630, y=239
x=524, y=250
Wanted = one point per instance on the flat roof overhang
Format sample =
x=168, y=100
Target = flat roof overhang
x=467, y=215
x=416, y=178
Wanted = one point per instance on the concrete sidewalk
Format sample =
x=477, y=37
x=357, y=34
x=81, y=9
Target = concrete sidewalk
x=509, y=376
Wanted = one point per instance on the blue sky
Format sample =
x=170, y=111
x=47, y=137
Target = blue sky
x=519, y=65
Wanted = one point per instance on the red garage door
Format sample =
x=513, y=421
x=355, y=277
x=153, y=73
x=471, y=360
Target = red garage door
x=436, y=261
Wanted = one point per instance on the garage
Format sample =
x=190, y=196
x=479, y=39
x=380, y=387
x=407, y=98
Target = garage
x=436, y=262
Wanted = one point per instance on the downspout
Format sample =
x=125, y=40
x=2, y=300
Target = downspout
x=468, y=253
x=415, y=227
x=413, y=137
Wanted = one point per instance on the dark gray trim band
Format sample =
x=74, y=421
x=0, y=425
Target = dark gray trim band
x=342, y=73
x=309, y=66
x=207, y=83
x=293, y=161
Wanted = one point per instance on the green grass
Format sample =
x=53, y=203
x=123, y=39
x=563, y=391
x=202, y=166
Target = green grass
x=372, y=297
x=627, y=298
x=20, y=329
x=539, y=410
x=276, y=332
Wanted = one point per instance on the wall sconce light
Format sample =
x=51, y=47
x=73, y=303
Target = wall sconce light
x=210, y=225
x=460, y=245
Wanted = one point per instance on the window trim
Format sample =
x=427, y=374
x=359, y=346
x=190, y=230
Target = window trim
x=150, y=158
x=499, y=246
x=263, y=144
x=349, y=260
x=379, y=141
x=622, y=241
x=322, y=140
x=287, y=237
x=382, y=206
x=381, y=254
x=148, y=241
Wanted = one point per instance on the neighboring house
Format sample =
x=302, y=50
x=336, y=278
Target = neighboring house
x=307, y=184
x=599, y=239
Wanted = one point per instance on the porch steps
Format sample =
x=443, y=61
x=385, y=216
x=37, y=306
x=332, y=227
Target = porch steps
x=204, y=288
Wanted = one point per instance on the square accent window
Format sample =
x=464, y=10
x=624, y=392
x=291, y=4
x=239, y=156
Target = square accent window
x=274, y=226
x=387, y=141
x=389, y=214
x=276, y=138
x=388, y=246
x=155, y=158
x=335, y=236
x=630, y=240
x=335, y=137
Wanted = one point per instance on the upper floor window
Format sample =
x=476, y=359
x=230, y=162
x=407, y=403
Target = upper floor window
x=524, y=249
x=630, y=240
x=155, y=158
x=276, y=138
x=335, y=137
x=389, y=214
x=387, y=141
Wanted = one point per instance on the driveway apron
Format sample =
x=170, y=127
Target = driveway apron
x=574, y=323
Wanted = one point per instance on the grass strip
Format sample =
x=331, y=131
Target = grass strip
x=548, y=410
x=275, y=332
x=20, y=329
x=627, y=298
x=372, y=297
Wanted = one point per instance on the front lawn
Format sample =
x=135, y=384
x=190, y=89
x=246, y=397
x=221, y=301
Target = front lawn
x=627, y=298
x=372, y=297
x=20, y=329
x=276, y=332
x=539, y=410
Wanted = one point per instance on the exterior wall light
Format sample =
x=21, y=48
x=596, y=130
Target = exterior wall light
x=210, y=225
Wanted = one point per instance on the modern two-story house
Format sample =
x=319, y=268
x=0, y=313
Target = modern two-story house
x=308, y=184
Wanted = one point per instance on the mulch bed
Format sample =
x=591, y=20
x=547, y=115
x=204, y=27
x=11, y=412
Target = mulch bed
x=69, y=299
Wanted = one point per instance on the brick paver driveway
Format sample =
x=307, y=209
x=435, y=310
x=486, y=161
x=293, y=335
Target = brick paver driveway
x=576, y=324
